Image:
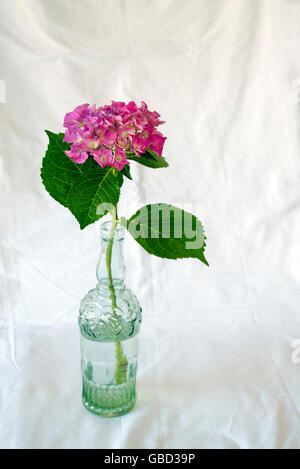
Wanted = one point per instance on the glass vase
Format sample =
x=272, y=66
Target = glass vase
x=109, y=321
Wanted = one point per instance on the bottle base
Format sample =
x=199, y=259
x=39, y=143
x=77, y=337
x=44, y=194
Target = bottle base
x=109, y=400
x=109, y=412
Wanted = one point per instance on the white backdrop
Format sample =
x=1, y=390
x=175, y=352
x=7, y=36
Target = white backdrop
x=219, y=366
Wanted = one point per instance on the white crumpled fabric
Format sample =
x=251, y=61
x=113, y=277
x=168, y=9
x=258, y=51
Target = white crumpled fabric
x=219, y=362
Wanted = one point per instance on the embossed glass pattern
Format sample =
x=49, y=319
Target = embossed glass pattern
x=109, y=321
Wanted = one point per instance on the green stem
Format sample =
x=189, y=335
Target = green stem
x=121, y=360
x=108, y=259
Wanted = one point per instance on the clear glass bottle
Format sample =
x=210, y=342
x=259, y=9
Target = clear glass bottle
x=109, y=321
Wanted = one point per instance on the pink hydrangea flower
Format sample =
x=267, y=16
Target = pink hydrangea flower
x=110, y=133
x=157, y=142
x=139, y=144
x=109, y=138
x=120, y=159
x=77, y=155
x=103, y=157
x=76, y=116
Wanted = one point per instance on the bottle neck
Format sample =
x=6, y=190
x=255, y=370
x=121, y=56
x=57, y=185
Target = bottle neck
x=111, y=267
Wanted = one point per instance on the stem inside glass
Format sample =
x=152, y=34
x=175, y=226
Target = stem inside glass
x=121, y=359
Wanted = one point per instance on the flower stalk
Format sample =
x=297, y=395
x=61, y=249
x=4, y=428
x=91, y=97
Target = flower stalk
x=121, y=359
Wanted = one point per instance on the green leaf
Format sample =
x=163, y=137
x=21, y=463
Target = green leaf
x=94, y=193
x=58, y=171
x=150, y=159
x=126, y=171
x=87, y=190
x=167, y=231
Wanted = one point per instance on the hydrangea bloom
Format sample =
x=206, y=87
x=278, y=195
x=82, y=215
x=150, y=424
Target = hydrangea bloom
x=111, y=133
